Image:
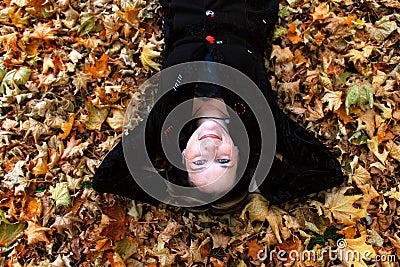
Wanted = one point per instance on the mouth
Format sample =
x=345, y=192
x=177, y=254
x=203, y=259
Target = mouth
x=210, y=136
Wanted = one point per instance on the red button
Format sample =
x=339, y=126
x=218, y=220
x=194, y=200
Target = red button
x=210, y=39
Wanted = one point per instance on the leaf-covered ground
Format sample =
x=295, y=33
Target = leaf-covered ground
x=69, y=68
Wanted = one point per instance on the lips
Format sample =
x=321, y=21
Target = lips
x=210, y=136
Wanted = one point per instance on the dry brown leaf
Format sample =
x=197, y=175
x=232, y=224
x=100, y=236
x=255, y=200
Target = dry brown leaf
x=315, y=113
x=116, y=120
x=342, y=206
x=373, y=144
x=357, y=248
x=334, y=100
x=96, y=117
x=41, y=167
x=44, y=31
x=170, y=230
x=361, y=176
x=253, y=248
x=36, y=233
x=366, y=121
x=220, y=240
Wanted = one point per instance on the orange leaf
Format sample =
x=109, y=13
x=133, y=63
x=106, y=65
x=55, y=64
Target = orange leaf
x=40, y=168
x=66, y=127
x=253, y=248
x=341, y=112
x=100, y=68
x=293, y=34
x=31, y=207
x=44, y=32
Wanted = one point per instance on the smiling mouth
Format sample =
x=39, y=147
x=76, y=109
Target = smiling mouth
x=210, y=136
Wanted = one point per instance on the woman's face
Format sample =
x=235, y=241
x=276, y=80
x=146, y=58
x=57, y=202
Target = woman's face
x=211, y=158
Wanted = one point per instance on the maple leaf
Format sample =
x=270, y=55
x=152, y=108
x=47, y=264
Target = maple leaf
x=148, y=55
x=131, y=16
x=36, y=233
x=342, y=207
x=359, y=95
x=366, y=121
x=16, y=18
x=99, y=69
x=355, y=55
x=220, y=240
x=10, y=232
x=321, y=12
x=66, y=224
x=334, y=100
x=60, y=194
x=41, y=167
x=315, y=113
x=357, y=248
x=44, y=31
x=112, y=25
x=361, y=176
x=394, y=150
x=254, y=248
x=373, y=144
x=293, y=34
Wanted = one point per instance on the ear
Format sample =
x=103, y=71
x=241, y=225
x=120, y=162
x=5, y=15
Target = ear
x=184, y=156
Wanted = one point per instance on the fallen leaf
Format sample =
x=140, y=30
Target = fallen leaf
x=60, y=194
x=293, y=34
x=334, y=100
x=253, y=249
x=44, y=31
x=354, y=251
x=96, y=117
x=148, y=55
x=342, y=206
x=36, y=233
x=10, y=232
x=99, y=69
x=116, y=121
x=66, y=127
x=220, y=240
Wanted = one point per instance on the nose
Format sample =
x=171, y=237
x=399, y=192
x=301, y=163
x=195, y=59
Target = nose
x=208, y=147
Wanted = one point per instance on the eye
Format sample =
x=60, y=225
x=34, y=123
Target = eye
x=224, y=161
x=199, y=162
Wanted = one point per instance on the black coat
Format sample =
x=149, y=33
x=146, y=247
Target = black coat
x=234, y=33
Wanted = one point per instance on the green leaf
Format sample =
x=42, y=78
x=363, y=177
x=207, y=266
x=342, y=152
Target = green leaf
x=87, y=20
x=359, y=138
x=60, y=194
x=359, y=95
x=10, y=232
x=15, y=77
x=126, y=247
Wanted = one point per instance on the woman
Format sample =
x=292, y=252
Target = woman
x=234, y=33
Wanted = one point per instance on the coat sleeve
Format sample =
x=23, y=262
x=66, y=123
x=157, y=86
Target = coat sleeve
x=113, y=175
x=306, y=165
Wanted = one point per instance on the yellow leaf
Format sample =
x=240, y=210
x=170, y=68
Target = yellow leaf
x=260, y=210
x=342, y=207
x=148, y=55
x=44, y=32
x=352, y=252
x=321, y=12
x=116, y=121
x=96, y=117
